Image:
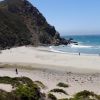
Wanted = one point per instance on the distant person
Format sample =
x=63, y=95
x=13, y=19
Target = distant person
x=79, y=53
x=16, y=71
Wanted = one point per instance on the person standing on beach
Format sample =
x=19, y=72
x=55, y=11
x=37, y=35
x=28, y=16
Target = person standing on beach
x=16, y=71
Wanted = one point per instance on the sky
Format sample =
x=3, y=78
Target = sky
x=71, y=16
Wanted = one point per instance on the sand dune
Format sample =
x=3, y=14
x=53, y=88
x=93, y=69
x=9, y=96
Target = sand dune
x=50, y=78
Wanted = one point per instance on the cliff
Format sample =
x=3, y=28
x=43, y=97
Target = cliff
x=22, y=24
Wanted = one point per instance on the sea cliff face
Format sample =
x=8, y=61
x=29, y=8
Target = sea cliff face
x=22, y=24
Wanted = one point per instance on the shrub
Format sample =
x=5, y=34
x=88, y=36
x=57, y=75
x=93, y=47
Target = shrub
x=6, y=80
x=6, y=95
x=25, y=89
x=52, y=97
x=64, y=99
x=62, y=85
x=86, y=95
x=59, y=91
x=27, y=92
x=16, y=81
x=40, y=84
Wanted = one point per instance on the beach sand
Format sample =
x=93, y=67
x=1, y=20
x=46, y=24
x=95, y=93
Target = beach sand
x=42, y=56
x=50, y=78
x=79, y=72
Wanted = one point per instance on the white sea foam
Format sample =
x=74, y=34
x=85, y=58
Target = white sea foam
x=99, y=47
x=75, y=49
x=80, y=46
x=57, y=51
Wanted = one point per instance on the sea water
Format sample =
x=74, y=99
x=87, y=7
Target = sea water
x=87, y=44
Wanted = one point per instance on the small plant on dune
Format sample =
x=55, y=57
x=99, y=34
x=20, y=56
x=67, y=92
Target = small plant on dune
x=29, y=92
x=6, y=80
x=57, y=90
x=64, y=99
x=6, y=95
x=86, y=95
x=25, y=89
x=63, y=85
x=52, y=97
x=16, y=81
x=40, y=84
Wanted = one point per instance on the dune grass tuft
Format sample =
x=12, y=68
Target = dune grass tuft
x=57, y=90
x=52, y=97
x=64, y=85
x=40, y=84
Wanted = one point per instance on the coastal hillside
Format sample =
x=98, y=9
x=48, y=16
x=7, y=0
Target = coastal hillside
x=22, y=24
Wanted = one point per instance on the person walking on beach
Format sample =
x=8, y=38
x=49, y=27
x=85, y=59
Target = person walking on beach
x=79, y=53
x=16, y=71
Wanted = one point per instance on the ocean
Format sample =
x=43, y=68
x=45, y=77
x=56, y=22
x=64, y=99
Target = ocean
x=87, y=44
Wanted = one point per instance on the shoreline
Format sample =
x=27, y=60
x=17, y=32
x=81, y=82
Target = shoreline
x=42, y=57
x=58, y=51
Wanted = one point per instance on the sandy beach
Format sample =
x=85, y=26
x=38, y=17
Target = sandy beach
x=79, y=72
x=42, y=57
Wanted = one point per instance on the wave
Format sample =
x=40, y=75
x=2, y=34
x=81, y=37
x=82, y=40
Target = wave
x=57, y=51
x=84, y=46
x=97, y=47
x=62, y=52
x=93, y=52
x=80, y=46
